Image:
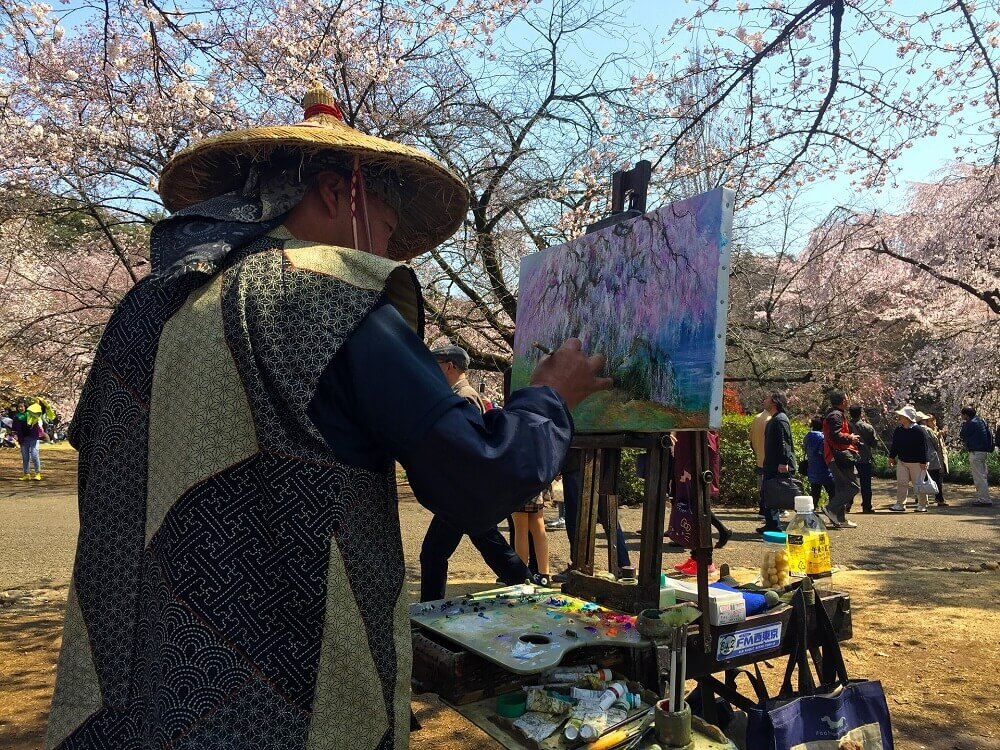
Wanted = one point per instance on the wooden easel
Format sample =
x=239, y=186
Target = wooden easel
x=601, y=468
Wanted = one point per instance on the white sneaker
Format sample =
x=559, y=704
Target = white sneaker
x=897, y=508
x=848, y=524
x=556, y=523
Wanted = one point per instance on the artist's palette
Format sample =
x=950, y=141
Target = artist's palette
x=526, y=632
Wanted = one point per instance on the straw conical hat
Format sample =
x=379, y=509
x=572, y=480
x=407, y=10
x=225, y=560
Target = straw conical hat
x=434, y=200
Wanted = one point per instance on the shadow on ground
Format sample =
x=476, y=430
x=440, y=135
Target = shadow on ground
x=30, y=632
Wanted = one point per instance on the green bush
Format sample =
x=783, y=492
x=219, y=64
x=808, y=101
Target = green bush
x=631, y=486
x=739, y=465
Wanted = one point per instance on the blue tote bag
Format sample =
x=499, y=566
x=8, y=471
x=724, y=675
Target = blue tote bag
x=835, y=714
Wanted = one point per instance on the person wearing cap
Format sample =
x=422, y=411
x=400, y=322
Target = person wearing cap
x=908, y=453
x=454, y=363
x=239, y=571
x=442, y=538
x=779, y=451
x=937, y=455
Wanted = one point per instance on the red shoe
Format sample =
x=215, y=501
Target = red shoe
x=690, y=568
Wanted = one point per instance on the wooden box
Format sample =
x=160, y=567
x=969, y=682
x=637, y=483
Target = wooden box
x=460, y=677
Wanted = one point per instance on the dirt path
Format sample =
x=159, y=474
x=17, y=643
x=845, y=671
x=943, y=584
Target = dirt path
x=930, y=636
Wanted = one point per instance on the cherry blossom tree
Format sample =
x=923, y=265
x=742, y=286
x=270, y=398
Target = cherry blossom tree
x=767, y=97
x=98, y=97
x=913, y=298
x=812, y=90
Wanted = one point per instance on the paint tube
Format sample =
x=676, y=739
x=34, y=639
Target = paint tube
x=570, y=674
x=591, y=729
x=596, y=681
x=627, y=702
x=584, y=694
x=538, y=700
x=572, y=730
x=614, y=692
x=582, y=712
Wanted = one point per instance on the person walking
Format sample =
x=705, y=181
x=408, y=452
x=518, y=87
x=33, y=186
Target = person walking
x=908, y=453
x=779, y=452
x=817, y=472
x=840, y=451
x=28, y=430
x=978, y=441
x=757, y=427
x=529, y=523
x=866, y=449
x=937, y=454
x=442, y=538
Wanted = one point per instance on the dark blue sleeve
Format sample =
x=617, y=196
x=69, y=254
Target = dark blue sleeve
x=383, y=398
x=475, y=469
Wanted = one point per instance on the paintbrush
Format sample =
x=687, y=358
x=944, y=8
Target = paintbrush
x=630, y=735
x=542, y=348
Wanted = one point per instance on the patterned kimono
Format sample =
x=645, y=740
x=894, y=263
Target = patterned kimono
x=235, y=585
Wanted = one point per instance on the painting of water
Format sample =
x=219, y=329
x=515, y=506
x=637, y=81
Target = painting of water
x=651, y=294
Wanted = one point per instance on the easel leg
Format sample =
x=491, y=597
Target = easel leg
x=608, y=487
x=586, y=528
x=653, y=517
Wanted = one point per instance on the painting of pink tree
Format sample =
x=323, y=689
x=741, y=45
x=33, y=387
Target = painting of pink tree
x=651, y=295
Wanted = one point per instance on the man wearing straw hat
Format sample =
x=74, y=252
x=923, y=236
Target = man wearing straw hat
x=239, y=570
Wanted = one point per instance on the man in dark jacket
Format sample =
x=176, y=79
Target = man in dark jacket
x=908, y=453
x=779, y=451
x=866, y=449
x=841, y=453
x=239, y=572
x=976, y=438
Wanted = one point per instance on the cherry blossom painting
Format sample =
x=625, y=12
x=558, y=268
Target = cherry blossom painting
x=651, y=294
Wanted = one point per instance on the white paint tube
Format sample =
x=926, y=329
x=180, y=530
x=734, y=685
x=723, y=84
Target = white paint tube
x=591, y=729
x=572, y=730
x=614, y=693
x=588, y=695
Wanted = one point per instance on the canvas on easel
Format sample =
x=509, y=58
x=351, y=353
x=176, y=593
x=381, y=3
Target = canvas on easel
x=651, y=294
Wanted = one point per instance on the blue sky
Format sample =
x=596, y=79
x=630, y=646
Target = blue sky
x=917, y=164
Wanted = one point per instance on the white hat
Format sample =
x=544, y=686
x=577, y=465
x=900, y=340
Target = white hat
x=909, y=412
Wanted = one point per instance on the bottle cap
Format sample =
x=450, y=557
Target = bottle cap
x=803, y=504
x=775, y=537
x=587, y=732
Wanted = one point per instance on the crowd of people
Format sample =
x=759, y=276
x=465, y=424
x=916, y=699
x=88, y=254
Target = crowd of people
x=839, y=450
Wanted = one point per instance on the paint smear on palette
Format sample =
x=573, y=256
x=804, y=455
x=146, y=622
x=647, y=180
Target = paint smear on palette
x=494, y=626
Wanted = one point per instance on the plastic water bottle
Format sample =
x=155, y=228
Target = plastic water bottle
x=808, y=542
